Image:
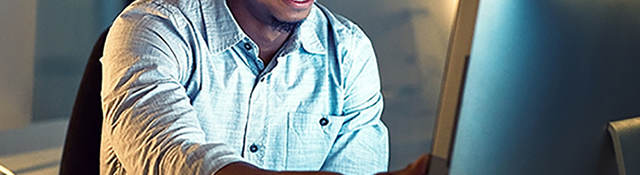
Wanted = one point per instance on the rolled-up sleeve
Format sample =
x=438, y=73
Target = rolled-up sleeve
x=362, y=146
x=150, y=126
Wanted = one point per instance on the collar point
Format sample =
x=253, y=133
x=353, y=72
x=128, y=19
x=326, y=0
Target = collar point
x=314, y=48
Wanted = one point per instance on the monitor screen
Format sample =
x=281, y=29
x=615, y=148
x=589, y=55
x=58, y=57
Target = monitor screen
x=542, y=81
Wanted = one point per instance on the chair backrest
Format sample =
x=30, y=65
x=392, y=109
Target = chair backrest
x=81, y=154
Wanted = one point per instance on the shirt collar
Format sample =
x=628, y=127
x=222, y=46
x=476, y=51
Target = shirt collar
x=310, y=31
x=223, y=31
x=221, y=28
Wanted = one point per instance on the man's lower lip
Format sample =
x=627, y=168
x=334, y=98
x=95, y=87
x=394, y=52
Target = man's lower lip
x=299, y=4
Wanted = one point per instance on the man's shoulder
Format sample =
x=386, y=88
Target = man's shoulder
x=163, y=8
x=349, y=38
x=147, y=14
x=343, y=27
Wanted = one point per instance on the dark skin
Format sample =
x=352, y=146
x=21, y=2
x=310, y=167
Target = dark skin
x=255, y=18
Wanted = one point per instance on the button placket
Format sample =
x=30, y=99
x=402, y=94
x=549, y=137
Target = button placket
x=255, y=134
x=250, y=54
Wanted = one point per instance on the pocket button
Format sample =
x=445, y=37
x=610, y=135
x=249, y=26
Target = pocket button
x=253, y=148
x=324, y=122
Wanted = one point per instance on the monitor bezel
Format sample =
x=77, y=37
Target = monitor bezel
x=451, y=90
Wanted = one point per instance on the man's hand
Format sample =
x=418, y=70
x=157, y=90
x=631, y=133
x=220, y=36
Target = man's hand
x=418, y=167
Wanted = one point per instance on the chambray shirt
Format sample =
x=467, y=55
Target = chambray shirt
x=184, y=92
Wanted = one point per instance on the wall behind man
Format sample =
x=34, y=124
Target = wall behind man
x=43, y=50
x=410, y=38
x=66, y=32
x=17, y=35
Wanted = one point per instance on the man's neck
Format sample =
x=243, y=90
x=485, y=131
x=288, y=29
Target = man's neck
x=268, y=38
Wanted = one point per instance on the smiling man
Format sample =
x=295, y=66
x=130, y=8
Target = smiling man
x=239, y=87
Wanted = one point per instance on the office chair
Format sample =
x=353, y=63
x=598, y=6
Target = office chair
x=81, y=154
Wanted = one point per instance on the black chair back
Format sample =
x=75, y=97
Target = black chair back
x=81, y=154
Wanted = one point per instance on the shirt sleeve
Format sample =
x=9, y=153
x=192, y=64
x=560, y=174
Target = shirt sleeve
x=150, y=126
x=362, y=144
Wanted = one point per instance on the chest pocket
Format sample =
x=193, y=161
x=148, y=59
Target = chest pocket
x=309, y=139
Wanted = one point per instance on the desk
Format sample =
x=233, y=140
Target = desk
x=34, y=150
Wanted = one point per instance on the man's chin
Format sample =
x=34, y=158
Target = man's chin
x=295, y=19
x=293, y=16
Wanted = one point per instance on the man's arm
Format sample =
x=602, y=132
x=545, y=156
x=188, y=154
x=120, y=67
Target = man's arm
x=362, y=144
x=150, y=126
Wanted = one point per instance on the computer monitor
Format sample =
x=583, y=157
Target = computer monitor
x=530, y=86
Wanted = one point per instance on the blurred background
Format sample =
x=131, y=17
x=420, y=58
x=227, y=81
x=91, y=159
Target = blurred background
x=44, y=46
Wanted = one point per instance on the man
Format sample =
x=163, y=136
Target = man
x=240, y=87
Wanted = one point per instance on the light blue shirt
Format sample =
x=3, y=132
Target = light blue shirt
x=184, y=92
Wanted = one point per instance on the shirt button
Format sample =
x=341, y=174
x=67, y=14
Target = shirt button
x=324, y=122
x=247, y=46
x=253, y=148
x=262, y=79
